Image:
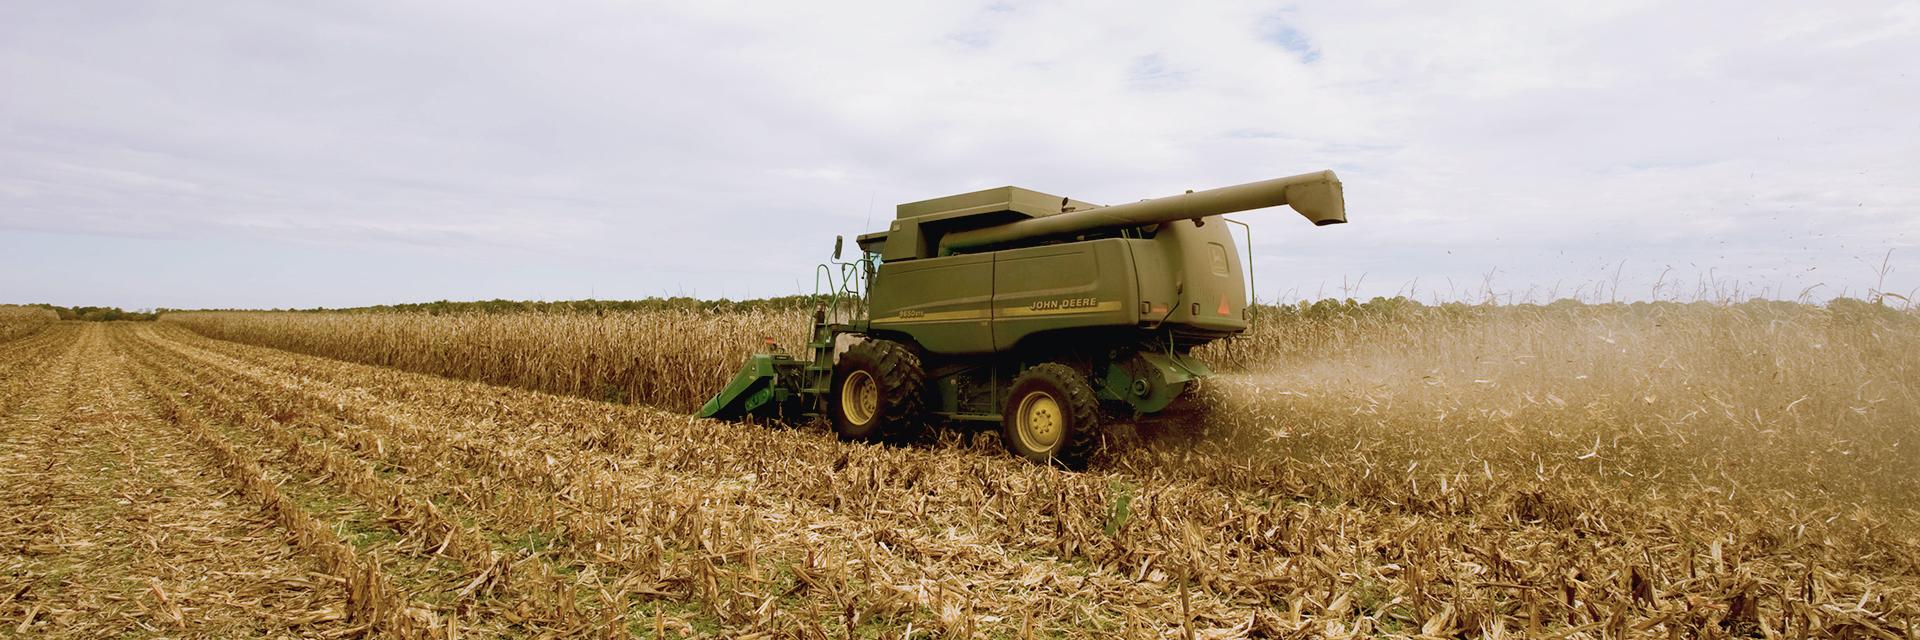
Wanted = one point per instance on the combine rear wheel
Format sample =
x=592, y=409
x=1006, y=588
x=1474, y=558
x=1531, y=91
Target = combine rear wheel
x=1051, y=416
x=876, y=391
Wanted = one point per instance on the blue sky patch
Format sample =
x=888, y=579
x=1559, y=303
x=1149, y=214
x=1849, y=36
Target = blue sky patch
x=1275, y=29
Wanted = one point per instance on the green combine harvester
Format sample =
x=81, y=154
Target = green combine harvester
x=1037, y=312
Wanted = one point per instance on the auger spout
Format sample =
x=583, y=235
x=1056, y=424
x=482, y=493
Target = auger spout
x=1316, y=196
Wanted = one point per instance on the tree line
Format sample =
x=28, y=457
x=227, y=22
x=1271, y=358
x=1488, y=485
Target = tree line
x=98, y=314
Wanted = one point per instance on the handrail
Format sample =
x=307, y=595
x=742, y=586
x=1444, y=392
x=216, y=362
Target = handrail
x=848, y=288
x=1253, y=288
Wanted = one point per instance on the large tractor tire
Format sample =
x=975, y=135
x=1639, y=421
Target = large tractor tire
x=877, y=389
x=1052, y=416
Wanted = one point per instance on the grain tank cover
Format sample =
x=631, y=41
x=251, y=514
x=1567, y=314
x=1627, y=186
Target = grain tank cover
x=1026, y=202
x=917, y=226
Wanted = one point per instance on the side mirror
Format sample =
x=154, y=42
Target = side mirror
x=837, y=241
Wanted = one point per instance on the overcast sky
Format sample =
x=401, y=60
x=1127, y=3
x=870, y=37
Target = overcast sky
x=297, y=154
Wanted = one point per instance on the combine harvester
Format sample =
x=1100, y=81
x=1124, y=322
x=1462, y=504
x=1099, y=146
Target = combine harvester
x=1034, y=311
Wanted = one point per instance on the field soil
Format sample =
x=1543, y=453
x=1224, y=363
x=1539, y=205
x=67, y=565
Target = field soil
x=154, y=482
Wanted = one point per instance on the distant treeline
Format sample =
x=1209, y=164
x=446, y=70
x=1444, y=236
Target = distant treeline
x=1324, y=308
x=98, y=314
x=677, y=303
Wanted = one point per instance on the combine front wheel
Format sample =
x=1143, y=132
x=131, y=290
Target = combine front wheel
x=1051, y=416
x=876, y=391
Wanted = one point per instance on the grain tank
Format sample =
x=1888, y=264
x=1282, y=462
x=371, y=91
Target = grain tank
x=1040, y=313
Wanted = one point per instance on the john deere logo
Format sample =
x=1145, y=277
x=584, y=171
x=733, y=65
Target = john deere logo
x=1063, y=303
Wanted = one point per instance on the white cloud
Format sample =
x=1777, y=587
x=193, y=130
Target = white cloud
x=722, y=145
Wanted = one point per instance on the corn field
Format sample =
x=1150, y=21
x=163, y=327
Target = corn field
x=670, y=358
x=17, y=321
x=1387, y=469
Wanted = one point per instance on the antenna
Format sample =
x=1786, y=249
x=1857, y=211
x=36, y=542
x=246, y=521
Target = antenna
x=864, y=226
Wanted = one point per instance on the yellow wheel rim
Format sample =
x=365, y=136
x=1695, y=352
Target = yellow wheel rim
x=1039, y=422
x=860, y=397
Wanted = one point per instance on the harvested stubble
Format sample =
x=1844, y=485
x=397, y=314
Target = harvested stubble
x=372, y=600
x=369, y=467
x=114, y=525
x=1584, y=471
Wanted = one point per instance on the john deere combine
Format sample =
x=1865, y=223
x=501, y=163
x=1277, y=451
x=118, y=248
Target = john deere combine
x=1037, y=312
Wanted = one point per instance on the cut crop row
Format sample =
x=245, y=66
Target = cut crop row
x=391, y=484
x=372, y=595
